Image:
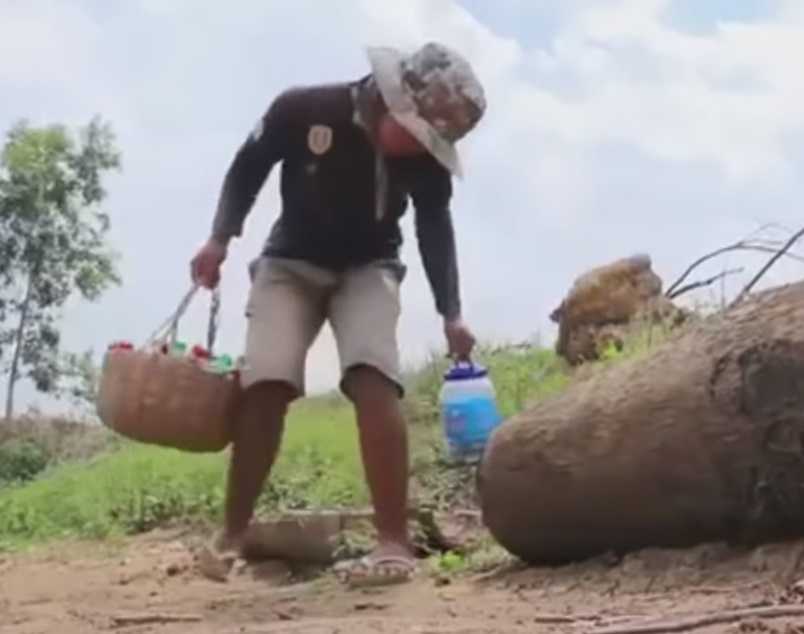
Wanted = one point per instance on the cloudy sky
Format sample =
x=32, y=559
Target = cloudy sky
x=669, y=127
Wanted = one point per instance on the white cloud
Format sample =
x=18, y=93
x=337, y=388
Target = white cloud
x=729, y=99
x=35, y=50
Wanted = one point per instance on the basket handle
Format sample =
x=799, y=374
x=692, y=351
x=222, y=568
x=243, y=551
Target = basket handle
x=168, y=330
x=212, y=323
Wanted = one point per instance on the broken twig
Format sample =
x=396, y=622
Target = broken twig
x=701, y=283
x=795, y=238
x=563, y=618
x=705, y=620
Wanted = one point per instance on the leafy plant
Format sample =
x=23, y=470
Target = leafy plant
x=80, y=379
x=21, y=461
x=451, y=562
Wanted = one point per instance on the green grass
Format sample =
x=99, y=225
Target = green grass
x=139, y=487
x=133, y=488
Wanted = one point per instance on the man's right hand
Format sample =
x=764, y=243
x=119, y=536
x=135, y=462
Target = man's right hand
x=205, y=267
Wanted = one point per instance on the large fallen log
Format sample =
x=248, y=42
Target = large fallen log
x=701, y=439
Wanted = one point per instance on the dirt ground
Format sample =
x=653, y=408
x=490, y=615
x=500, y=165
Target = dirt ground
x=149, y=585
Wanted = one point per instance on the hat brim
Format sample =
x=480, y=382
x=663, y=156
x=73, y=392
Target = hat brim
x=386, y=67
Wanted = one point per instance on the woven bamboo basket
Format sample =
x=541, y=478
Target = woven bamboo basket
x=151, y=397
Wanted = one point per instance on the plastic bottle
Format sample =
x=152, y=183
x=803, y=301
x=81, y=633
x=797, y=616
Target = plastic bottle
x=178, y=349
x=469, y=411
x=121, y=345
x=222, y=364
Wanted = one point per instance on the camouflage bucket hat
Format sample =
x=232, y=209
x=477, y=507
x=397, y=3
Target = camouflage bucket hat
x=433, y=93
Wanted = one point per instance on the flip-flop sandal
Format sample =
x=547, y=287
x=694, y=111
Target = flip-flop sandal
x=215, y=564
x=375, y=571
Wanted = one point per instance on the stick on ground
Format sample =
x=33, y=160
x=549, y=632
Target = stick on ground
x=704, y=620
x=153, y=619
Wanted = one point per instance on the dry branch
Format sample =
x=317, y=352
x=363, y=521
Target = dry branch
x=773, y=225
x=772, y=246
x=795, y=238
x=705, y=620
x=742, y=245
x=701, y=283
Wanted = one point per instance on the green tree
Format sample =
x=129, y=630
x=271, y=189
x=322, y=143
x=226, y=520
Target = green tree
x=53, y=242
x=81, y=380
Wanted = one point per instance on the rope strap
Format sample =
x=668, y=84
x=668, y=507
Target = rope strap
x=212, y=325
x=167, y=332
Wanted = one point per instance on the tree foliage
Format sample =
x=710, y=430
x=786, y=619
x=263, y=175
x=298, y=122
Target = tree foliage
x=80, y=380
x=53, y=242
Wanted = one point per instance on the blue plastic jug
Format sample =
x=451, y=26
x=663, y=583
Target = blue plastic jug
x=469, y=411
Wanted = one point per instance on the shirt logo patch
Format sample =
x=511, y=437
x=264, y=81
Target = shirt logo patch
x=319, y=139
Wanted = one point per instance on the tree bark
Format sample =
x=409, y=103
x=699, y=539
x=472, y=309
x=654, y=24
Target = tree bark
x=701, y=439
x=13, y=373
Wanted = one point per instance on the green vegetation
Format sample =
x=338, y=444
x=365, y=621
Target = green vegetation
x=129, y=488
x=136, y=487
x=21, y=461
x=116, y=487
x=483, y=557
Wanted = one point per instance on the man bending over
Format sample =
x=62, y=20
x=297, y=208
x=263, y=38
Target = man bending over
x=352, y=154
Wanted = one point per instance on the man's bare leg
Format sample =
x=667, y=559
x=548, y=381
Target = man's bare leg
x=257, y=437
x=384, y=449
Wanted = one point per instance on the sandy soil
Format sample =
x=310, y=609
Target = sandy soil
x=149, y=585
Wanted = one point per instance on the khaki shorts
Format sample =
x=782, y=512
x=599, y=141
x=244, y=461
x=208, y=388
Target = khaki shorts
x=289, y=302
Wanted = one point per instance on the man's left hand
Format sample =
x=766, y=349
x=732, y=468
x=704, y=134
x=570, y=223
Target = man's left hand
x=460, y=339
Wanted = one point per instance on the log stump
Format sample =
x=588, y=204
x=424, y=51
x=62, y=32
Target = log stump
x=607, y=304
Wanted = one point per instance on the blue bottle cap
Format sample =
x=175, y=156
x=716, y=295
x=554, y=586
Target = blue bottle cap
x=463, y=370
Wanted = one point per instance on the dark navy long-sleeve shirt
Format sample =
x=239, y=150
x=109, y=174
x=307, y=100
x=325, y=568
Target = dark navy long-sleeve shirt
x=328, y=187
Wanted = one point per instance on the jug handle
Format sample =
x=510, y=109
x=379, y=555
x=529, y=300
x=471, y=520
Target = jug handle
x=462, y=363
